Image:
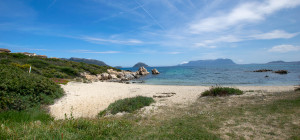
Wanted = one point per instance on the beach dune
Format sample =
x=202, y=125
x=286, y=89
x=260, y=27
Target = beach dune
x=87, y=100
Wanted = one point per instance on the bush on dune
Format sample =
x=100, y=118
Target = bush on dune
x=127, y=105
x=222, y=91
x=20, y=90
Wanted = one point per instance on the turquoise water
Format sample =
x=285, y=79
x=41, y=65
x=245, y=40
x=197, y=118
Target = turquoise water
x=222, y=75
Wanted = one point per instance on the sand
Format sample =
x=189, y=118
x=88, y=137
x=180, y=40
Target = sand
x=87, y=100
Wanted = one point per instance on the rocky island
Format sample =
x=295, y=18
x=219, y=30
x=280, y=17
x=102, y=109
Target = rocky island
x=140, y=64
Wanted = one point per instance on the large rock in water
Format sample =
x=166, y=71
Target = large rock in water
x=155, y=71
x=142, y=71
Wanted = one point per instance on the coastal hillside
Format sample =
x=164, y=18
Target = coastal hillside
x=89, y=61
x=209, y=62
x=51, y=67
x=140, y=64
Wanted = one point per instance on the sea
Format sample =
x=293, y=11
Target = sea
x=222, y=75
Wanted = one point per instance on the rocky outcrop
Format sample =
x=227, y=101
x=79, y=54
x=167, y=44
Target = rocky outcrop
x=262, y=70
x=142, y=71
x=112, y=76
x=116, y=76
x=155, y=71
x=89, y=77
x=281, y=72
x=104, y=76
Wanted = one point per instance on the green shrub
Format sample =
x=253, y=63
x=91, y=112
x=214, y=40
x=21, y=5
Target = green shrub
x=51, y=68
x=69, y=71
x=222, y=91
x=20, y=90
x=38, y=63
x=60, y=81
x=127, y=105
x=19, y=55
x=5, y=61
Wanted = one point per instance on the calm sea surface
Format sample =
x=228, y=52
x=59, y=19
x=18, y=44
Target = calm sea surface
x=222, y=75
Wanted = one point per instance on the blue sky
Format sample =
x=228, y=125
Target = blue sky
x=157, y=32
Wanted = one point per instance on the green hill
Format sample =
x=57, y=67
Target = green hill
x=89, y=61
x=50, y=67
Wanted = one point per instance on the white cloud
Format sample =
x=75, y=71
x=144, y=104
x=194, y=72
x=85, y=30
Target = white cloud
x=284, y=48
x=276, y=34
x=203, y=45
x=90, y=51
x=209, y=43
x=174, y=52
x=243, y=13
x=114, y=41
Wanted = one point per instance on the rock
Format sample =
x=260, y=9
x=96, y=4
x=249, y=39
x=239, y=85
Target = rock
x=142, y=71
x=155, y=71
x=83, y=74
x=99, y=76
x=89, y=77
x=104, y=76
x=262, y=70
x=112, y=71
x=281, y=72
x=120, y=75
x=112, y=76
x=129, y=76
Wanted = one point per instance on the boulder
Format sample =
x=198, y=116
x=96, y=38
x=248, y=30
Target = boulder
x=142, y=71
x=99, y=76
x=129, y=76
x=120, y=75
x=112, y=76
x=155, y=71
x=91, y=78
x=112, y=71
x=104, y=76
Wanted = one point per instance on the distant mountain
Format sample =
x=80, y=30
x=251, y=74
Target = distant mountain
x=209, y=62
x=89, y=61
x=140, y=64
x=283, y=62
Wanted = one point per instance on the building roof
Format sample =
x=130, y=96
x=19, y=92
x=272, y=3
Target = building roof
x=4, y=50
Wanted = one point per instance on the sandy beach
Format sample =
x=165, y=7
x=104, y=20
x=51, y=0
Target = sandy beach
x=87, y=100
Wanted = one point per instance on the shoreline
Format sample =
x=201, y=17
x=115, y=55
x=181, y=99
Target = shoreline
x=86, y=100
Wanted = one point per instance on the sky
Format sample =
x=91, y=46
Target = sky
x=157, y=32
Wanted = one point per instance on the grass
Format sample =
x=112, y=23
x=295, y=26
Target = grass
x=269, y=120
x=127, y=105
x=222, y=91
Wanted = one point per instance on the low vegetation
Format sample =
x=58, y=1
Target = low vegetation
x=20, y=90
x=222, y=91
x=127, y=105
x=210, y=118
x=50, y=67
